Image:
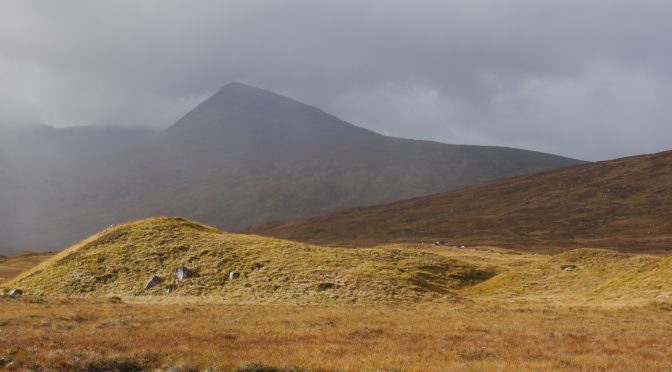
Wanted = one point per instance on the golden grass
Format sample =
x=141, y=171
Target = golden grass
x=79, y=334
x=417, y=307
x=122, y=259
x=11, y=267
x=600, y=278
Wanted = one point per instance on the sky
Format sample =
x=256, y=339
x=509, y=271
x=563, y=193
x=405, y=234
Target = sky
x=585, y=79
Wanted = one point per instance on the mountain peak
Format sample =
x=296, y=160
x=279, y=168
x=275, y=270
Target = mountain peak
x=248, y=96
x=242, y=88
x=236, y=85
x=245, y=115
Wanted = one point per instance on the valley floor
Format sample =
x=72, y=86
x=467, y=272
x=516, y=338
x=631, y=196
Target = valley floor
x=97, y=334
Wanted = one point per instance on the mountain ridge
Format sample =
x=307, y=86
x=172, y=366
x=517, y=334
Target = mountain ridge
x=243, y=157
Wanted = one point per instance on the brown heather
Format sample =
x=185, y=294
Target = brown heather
x=71, y=334
x=623, y=204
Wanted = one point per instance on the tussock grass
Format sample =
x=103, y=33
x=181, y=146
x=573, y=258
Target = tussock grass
x=410, y=337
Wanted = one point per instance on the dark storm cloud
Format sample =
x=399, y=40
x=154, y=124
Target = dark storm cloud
x=583, y=79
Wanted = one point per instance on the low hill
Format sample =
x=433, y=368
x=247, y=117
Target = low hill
x=624, y=204
x=584, y=277
x=236, y=268
x=244, y=156
x=122, y=259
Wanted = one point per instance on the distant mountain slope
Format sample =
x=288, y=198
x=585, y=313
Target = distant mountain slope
x=244, y=156
x=624, y=204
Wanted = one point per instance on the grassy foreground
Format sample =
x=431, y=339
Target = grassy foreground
x=99, y=335
x=298, y=307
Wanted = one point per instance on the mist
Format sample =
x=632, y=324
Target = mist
x=585, y=80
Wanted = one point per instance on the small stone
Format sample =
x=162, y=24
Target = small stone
x=568, y=267
x=169, y=288
x=182, y=273
x=234, y=275
x=325, y=286
x=153, y=282
x=15, y=293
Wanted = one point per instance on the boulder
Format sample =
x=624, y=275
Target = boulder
x=15, y=293
x=153, y=282
x=568, y=267
x=182, y=273
x=234, y=275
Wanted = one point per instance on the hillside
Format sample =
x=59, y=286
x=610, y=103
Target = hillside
x=624, y=204
x=590, y=276
x=244, y=156
x=122, y=259
x=235, y=268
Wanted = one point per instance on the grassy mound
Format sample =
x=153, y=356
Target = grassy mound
x=584, y=276
x=649, y=282
x=120, y=260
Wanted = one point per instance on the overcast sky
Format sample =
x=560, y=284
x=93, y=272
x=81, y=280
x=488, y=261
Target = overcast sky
x=587, y=79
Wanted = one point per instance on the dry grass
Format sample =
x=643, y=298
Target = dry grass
x=10, y=267
x=597, y=277
x=419, y=308
x=78, y=334
x=120, y=261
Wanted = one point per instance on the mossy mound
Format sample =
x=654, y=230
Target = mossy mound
x=120, y=260
x=649, y=282
x=584, y=276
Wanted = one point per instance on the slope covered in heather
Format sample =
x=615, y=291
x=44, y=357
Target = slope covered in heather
x=623, y=204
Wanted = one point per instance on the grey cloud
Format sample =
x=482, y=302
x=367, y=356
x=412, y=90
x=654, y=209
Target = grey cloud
x=583, y=79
